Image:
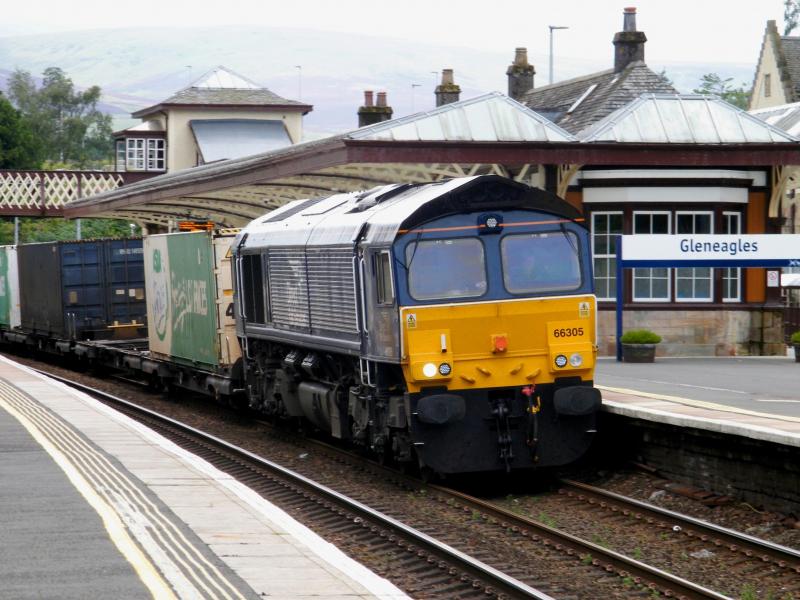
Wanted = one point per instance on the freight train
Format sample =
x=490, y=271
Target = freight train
x=449, y=325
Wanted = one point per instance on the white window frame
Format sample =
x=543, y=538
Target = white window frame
x=156, y=154
x=145, y=154
x=694, y=278
x=120, y=155
x=668, y=297
x=737, y=270
x=611, y=276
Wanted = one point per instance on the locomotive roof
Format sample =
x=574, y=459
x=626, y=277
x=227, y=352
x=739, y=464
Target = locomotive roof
x=383, y=211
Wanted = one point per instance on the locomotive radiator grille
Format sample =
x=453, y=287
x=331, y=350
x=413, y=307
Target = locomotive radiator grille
x=313, y=289
x=331, y=292
x=288, y=288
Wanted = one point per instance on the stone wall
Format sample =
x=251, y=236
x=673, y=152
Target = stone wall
x=700, y=332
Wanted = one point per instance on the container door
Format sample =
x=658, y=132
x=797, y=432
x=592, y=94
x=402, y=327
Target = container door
x=83, y=299
x=229, y=348
x=125, y=285
x=12, y=285
x=6, y=300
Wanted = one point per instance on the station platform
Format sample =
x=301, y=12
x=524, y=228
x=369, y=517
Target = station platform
x=94, y=505
x=751, y=397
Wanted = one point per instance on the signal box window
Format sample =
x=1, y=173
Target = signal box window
x=443, y=269
x=541, y=262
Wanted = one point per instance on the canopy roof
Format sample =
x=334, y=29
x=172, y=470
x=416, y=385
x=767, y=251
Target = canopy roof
x=687, y=119
x=490, y=134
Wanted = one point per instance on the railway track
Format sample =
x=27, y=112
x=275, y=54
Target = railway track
x=521, y=534
x=734, y=541
x=440, y=569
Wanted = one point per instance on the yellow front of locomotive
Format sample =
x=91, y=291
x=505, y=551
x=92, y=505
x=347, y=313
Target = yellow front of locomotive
x=498, y=344
x=498, y=340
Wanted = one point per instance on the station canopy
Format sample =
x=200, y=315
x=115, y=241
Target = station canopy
x=487, y=134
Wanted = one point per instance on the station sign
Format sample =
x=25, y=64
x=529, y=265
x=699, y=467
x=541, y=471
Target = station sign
x=767, y=250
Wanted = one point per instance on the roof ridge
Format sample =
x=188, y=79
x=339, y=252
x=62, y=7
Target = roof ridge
x=551, y=86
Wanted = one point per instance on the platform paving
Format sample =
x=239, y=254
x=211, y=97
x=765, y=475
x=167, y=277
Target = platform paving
x=179, y=527
x=754, y=397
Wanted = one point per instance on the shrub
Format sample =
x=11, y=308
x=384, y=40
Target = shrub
x=795, y=339
x=640, y=336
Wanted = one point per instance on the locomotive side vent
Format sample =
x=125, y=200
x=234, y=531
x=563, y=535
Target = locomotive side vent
x=288, y=288
x=313, y=289
x=331, y=290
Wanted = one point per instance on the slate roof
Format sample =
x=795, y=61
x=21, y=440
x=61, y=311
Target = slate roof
x=791, y=53
x=787, y=55
x=223, y=87
x=577, y=103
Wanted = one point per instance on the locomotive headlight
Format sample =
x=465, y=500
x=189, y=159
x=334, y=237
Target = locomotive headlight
x=445, y=369
x=429, y=370
x=561, y=361
x=576, y=360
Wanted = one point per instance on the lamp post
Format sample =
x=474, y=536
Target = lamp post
x=552, y=27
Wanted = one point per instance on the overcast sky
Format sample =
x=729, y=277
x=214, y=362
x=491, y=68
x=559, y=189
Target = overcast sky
x=677, y=30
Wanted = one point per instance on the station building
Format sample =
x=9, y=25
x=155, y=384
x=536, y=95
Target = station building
x=620, y=145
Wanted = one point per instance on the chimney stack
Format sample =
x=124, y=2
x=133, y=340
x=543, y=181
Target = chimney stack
x=370, y=113
x=520, y=75
x=447, y=92
x=628, y=43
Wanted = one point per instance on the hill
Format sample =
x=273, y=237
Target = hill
x=136, y=67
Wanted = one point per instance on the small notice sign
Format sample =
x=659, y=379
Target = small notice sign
x=773, y=279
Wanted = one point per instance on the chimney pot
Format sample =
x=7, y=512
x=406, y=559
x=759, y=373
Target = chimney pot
x=628, y=43
x=448, y=91
x=520, y=75
x=370, y=113
x=629, y=19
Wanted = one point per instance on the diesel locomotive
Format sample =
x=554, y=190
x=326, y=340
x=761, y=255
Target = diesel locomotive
x=449, y=324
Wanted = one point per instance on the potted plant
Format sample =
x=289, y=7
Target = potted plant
x=795, y=341
x=639, y=345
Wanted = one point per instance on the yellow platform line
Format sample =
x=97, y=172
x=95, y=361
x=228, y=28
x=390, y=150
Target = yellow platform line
x=699, y=404
x=144, y=569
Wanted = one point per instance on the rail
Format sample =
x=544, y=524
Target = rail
x=225, y=453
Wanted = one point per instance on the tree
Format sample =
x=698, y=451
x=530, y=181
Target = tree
x=791, y=15
x=18, y=148
x=714, y=85
x=662, y=75
x=66, y=122
x=43, y=229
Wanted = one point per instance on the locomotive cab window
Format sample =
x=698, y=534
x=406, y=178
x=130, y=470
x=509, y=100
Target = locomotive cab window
x=443, y=269
x=541, y=262
x=383, y=277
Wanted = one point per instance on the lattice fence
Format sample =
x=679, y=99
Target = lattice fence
x=27, y=191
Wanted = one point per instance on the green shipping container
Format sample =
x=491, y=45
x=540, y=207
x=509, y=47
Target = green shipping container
x=187, y=277
x=9, y=288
